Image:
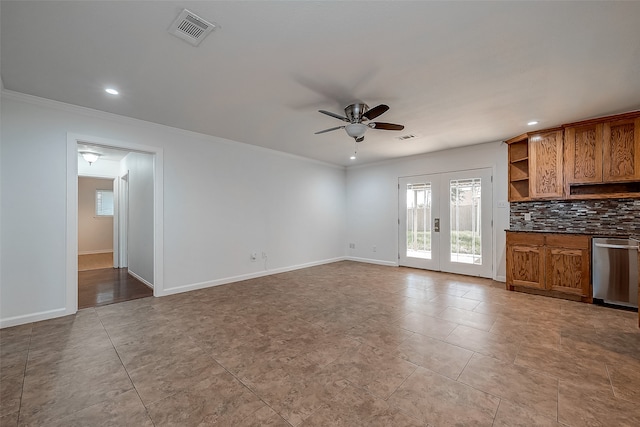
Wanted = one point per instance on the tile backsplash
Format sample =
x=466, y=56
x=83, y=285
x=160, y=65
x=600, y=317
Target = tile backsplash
x=620, y=217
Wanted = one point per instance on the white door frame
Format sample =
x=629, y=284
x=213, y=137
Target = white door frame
x=73, y=139
x=440, y=208
x=121, y=222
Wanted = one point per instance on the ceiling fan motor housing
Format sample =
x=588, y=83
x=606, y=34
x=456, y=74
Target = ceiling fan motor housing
x=354, y=112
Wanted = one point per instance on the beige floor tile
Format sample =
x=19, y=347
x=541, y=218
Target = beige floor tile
x=503, y=347
x=50, y=397
x=377, y=371
x=9, y=420
x=158, y=381
x=10, y=394
x=469, y=318
x=327, y=345
x=625, y=378
x=354, y=407
x=427, y=325
x=123, y=410
x=440, y=401
x=297, y=390
x=441, y=357
x=513, y=415
x=515, y=383
x=580, y=405
x=561, y=365
x=219, y=399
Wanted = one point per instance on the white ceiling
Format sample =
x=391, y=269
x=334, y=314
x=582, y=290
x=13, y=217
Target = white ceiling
x=454, y=73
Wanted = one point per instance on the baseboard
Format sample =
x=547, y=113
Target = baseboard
x=33, y=317
x=149, y=284
x=372, y=261
x=233, y=279
x=101, y=251
x=501, y=279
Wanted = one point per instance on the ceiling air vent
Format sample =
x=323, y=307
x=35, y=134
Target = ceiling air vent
x=191, y=28
x=405, y=137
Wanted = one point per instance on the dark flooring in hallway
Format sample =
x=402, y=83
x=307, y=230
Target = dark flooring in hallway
x=107, y=286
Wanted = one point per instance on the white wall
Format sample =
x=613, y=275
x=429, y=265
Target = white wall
x=95, y=234
x=372, y=205
x=140, y=223
x=222, y=201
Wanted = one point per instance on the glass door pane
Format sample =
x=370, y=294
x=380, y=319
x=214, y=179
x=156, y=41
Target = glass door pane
x=467, y=242
x=419, y=220
x=465, y=220
x=418, y=242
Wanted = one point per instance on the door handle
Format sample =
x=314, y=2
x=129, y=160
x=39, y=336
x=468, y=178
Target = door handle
x=436, y=225
x=605, y=245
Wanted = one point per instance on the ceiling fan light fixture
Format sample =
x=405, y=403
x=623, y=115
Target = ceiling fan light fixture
x=355, y=130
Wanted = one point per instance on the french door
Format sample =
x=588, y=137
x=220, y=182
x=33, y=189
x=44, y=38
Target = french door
x=445, y=222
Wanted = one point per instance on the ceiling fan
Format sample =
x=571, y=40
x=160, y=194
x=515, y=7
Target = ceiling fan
x=357, y=115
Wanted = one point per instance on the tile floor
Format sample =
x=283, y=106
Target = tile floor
x=343, y=344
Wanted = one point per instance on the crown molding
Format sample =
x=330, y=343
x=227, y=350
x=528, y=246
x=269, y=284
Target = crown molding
x=103, y=115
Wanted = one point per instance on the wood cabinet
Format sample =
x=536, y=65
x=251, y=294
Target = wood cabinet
x=602, y=159
x=535, y=166
x=519, y=168
x=559, y=264
x=592, y=159
x=545, y=164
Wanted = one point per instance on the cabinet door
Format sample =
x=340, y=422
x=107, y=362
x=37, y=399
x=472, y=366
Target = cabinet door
x=621, y=150
x=545, y=165
x=583, y=154
x=567, y=271
x=525, y=266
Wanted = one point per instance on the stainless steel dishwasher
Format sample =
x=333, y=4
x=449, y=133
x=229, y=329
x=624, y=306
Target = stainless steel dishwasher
x=615, y=271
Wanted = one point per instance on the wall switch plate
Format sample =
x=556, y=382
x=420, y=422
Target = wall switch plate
x=503, y=204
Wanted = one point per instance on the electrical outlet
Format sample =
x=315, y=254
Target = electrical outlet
x=352, y=245
x=375, y=249
x=254, y=256
x=527, y=216
x=264, y=255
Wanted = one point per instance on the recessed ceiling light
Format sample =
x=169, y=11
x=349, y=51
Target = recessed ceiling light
x=352, y=157
x=111, y=91
x=532, y=122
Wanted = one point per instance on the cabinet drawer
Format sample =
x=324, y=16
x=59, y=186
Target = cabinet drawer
x=530, y=239
x=567, y=241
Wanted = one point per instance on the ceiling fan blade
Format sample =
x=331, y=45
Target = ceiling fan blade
x=375, y=111
x=385, y=126
x=360, y=139
x=337, y=116
x=329, y=130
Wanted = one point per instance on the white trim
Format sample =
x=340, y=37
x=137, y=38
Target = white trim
x=33, y=317
x=502, y=279
x=150, y=285
x=372, y=261
x=232, y=279
x=100, y=251
x=23, y=97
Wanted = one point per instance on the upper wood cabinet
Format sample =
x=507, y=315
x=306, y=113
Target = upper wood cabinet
x=583, y=154
x=545, y=165
x=621, y=146
x=593, y=159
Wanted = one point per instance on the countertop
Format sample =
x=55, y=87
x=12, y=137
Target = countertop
x=581, y=232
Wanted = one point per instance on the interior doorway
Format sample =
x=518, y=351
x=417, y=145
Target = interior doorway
x=103, y=221
x=445, y=222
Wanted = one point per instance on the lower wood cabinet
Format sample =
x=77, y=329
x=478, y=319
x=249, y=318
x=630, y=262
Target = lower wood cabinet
x=557, y=263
